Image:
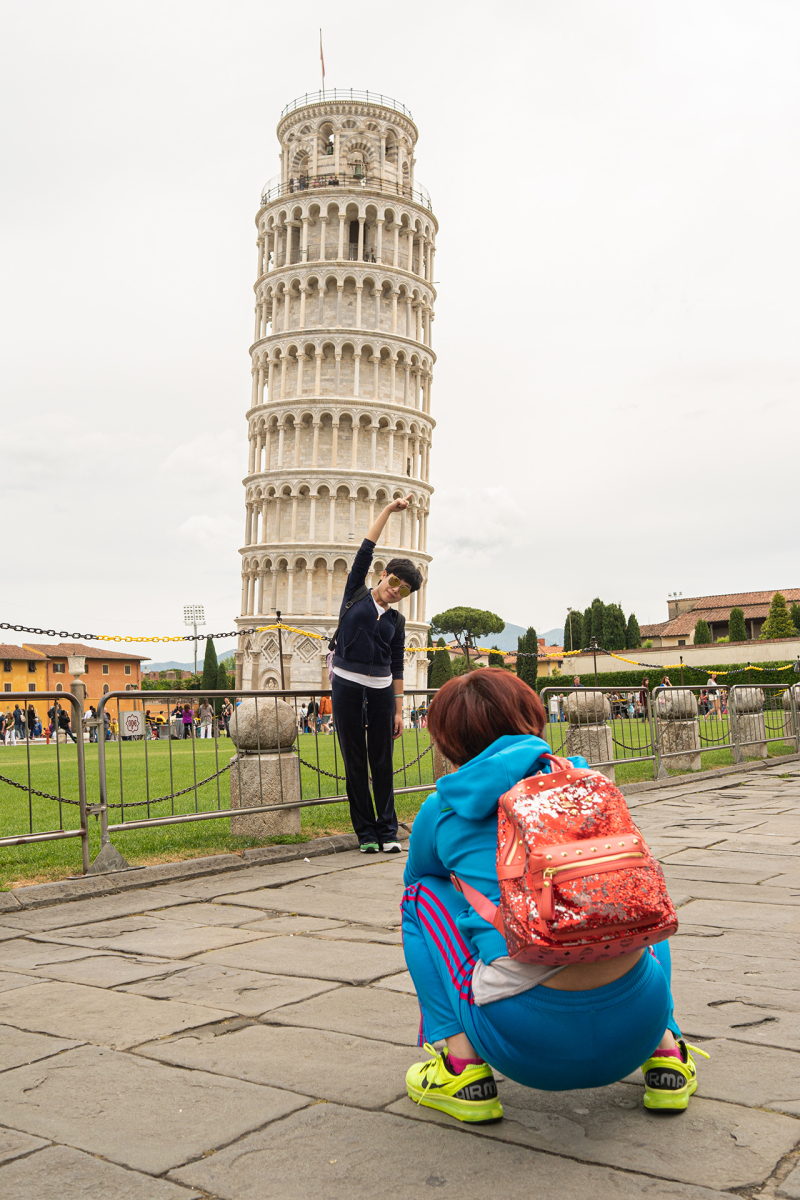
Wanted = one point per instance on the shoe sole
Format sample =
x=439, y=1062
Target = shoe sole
x=394, y=850
x=369, y=849
x=657, y=1101
x=479, y=1112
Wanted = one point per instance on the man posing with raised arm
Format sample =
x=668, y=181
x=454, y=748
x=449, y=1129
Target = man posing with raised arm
x=368, y=647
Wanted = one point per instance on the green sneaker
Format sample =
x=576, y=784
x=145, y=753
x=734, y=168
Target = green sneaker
x=470, y=1096
x=369, y=848
x=668, y=1084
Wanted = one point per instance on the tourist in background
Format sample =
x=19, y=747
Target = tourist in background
x=712, y=690
x=644, y=698
x=17, y=722
x=325, y=711
x=64, y=725
x=226, y=714
x=206, y=718
x=32, y=719
x=188, y=721
x=9, y=734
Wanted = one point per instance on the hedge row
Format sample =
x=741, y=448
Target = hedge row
x=694, y=675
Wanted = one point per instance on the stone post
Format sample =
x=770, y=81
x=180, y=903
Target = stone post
x=265, y=771
x=746, y=715
x=789, y=729
x=678, y=728
x=588, y=734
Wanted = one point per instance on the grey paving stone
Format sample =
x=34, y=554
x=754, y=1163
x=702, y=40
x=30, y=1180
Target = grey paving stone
x=205, y=913
x=18, y=1046
x=355, y=933
x=383, y=1015
x=133, y=1110
x=13, y=1144
x=6, y=933
x=397, y=983
x=9, y=981
x=730, y=861
x=277, y=925
x=740, y=915
x=790, y=1188
x=347, y=962
x=8, y=902
x=249, y=993
x=274, y=875
x=331, y=1066
x=61, y=1173
x=764, y=893
x=355, y=1155
x=24, y=954
x=357, y=906
x=720, y=1147
x=753, y=1076
x=107, y=970
x=739, y=946
x=102, y=1017
x=148, y=935
x=101, y=908
x=768, y=974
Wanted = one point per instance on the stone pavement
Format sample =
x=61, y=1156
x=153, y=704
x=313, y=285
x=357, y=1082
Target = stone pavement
x=246, y=1036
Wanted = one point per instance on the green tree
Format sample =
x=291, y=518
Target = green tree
x=633, y=637
x=442, y=668
x=702, y=633
x=573, y=631
x=587, y=627
x=598, y=609
x=467, y=625
x=613, y=627
x=223, y=683
x=459, y=665
x=737, y=630
x=528, y=662
x=778, y=624
x=210, y=668
x=794, y=613
x=496, y=658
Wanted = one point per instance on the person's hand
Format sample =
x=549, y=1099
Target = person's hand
x=398, y=725
x=398, y=505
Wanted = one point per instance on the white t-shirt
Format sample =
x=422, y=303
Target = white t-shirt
x=504, y=977
x=370, y=681
x=712, y=685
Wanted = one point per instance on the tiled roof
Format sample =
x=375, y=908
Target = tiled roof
x=20, y=653
x=63, y=649
x=648, y=631
x=740, y=599
x=754, y=605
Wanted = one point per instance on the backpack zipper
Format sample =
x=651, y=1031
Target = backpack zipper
x=547, y=905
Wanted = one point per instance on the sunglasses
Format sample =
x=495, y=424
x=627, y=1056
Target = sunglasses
x=400, y=587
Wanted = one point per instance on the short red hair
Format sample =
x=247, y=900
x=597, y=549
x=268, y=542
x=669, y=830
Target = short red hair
x=467, y=714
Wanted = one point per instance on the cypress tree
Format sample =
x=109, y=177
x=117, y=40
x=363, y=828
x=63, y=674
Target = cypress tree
x=737, y=630
x=442, y=667
x=496, y=658
x=587, y=628
x=633, y=638
x=778, y=623
x=573, y=631
x=598, y=609
x=223, y=683
x=528, y=665
x=702, y=633
x=794, y=613
x=613, y=628
x=210, y=667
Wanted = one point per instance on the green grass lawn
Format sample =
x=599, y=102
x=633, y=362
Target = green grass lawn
x=138, y=770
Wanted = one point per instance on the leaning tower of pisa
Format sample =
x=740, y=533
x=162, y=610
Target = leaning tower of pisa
x=339, y=417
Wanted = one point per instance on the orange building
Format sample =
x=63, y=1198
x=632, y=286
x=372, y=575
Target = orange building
x=22, y=670
x=106, y=670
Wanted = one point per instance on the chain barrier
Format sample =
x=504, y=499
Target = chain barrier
x=335, y=775
x=35, y=791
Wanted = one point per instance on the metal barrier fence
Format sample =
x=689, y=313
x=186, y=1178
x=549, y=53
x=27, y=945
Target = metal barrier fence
x=63, y=775
x=596, y=724
x=281, y=768
x=672, y=726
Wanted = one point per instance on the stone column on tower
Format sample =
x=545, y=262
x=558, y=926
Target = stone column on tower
x=342, y=362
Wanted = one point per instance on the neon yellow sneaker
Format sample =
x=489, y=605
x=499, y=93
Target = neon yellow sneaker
x=668, y=1084
x=470, y=1096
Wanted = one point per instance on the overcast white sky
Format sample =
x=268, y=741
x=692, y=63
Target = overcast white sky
x=618, y=190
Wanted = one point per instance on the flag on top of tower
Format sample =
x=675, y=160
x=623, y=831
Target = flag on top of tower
x=322, y=60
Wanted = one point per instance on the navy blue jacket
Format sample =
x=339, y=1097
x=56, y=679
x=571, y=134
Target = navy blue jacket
x=366, y=643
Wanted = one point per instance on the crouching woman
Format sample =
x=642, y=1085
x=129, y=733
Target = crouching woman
x=556, y=1028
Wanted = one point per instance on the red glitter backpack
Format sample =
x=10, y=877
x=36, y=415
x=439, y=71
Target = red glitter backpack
x=578, y=882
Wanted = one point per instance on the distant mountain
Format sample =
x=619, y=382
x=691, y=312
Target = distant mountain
x=173, y=666
x=507, y=640
x=553, y=637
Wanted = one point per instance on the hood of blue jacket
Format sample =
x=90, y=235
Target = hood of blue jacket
x=474, y=789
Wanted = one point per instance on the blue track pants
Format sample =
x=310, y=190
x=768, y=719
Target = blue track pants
x=543, y=1038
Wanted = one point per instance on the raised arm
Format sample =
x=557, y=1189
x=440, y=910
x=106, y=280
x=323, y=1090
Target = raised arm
x=379, y=524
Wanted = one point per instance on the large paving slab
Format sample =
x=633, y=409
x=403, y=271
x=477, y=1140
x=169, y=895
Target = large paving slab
x=13, y=1144
x=331, y=1066
x=83, y=912
x=347, y=962
x=347, y=1154
x=61, y=1173
x=106, y=1018
x=339, y=903
x=248, y=993
x=134, y=1111
x=149, y=935
x=19, y=1047
x=106, y=970
x=378, y=1013
x=742, y=915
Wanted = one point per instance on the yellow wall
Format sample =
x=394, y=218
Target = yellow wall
x=19, y=677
